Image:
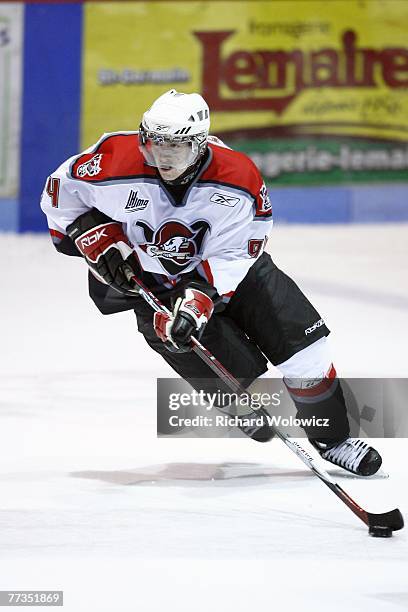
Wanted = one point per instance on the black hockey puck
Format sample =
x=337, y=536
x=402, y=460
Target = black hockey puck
x=380, y=531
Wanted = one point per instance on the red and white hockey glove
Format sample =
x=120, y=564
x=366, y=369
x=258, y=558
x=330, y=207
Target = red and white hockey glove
x=106, y=249
x=190, y=315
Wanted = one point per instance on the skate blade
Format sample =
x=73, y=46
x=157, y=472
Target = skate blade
x=340, y=473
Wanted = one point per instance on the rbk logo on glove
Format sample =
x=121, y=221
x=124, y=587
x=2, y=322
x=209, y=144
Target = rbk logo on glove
x=95, y=242
x=106, y=249
x=92, y=238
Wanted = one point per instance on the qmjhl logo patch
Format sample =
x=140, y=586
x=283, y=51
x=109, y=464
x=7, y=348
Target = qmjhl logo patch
x=135, y=203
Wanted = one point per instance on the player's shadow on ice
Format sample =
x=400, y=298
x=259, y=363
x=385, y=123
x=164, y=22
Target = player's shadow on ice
x=199, y=474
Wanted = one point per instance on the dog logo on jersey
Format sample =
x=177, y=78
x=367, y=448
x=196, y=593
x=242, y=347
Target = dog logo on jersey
x=91, y=167
x=220, y=198
x=174, y=243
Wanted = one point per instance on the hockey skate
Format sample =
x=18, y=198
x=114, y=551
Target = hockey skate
x=352, y=455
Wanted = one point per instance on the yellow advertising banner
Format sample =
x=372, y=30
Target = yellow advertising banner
x=314, y=91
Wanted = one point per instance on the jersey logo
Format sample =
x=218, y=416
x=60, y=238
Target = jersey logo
x=91, y=167
x=174, y=244
x=220, y=198
x=263, y=203
x=135, y=203
x=255, y=246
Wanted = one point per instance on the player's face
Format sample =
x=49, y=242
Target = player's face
x=169, y=174
x=171, y=158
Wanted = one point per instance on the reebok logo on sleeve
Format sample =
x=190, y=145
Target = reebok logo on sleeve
x=225, y=200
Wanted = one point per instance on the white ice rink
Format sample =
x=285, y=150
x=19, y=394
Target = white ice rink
x=94, y=504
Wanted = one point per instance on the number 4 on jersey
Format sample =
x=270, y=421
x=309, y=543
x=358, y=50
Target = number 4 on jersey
x=53, y=186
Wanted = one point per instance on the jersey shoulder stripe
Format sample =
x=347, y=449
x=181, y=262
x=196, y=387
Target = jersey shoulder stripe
x=232, y=168
x=115, y=156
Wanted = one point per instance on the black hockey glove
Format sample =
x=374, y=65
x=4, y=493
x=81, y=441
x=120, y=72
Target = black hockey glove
x=106, y=249
x=191, y=314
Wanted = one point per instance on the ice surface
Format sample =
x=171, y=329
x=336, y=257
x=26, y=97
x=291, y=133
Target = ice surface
x=94, y=504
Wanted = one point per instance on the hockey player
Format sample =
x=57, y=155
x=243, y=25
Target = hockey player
x=190, y=217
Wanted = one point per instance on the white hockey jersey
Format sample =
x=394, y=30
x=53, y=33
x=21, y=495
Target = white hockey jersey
x=219, y=228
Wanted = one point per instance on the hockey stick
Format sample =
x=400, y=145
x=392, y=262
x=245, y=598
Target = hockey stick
x=379, y=524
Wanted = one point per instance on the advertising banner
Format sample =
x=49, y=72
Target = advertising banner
x=11, y=26
x=315, y=92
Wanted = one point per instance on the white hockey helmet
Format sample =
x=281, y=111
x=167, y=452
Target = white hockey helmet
x=173, y=132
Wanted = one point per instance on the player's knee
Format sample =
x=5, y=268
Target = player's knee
x=311, y=363
x=311, y=381
x=307, y=368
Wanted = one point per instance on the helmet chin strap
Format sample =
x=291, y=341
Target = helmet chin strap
x=189, y=173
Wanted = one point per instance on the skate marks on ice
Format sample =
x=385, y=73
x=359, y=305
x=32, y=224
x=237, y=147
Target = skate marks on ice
x=172, y=474
x=399, y=599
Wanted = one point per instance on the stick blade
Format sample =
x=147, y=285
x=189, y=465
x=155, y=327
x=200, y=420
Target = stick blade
x=392, y=519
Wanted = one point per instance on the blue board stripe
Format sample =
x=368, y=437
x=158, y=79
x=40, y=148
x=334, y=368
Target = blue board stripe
x=377, y=203
x=51, y=100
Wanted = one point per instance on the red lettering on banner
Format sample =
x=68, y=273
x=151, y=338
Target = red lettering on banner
x=266, y=70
